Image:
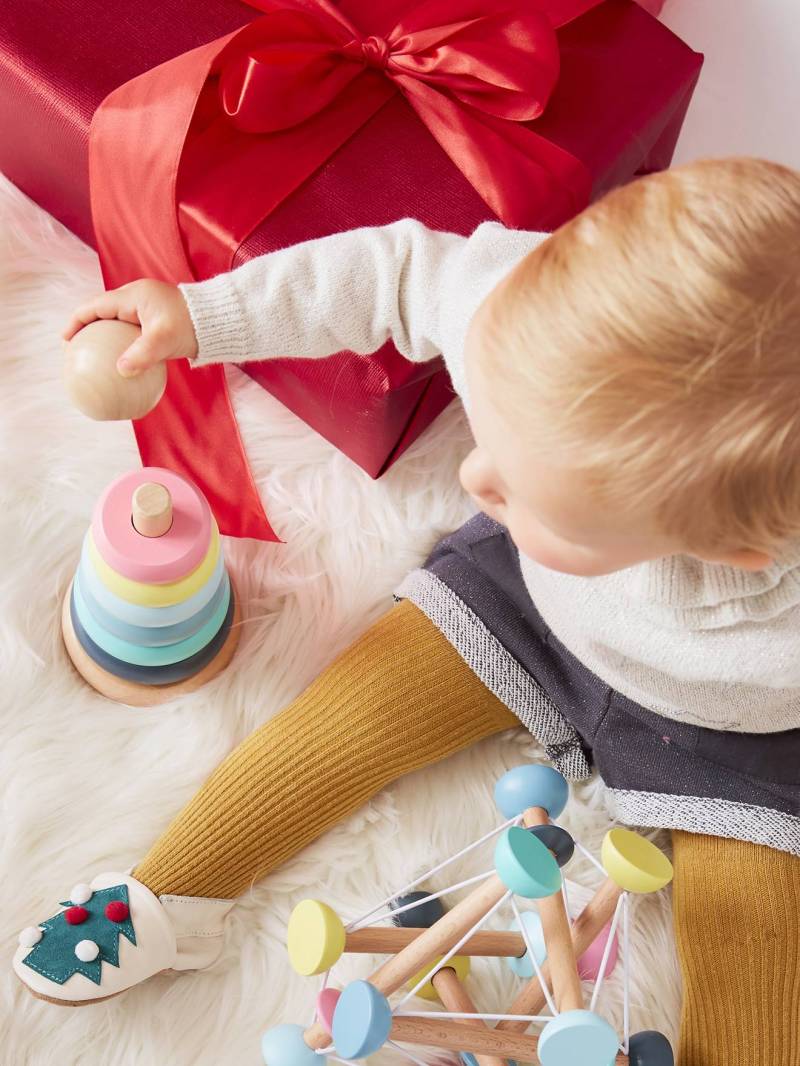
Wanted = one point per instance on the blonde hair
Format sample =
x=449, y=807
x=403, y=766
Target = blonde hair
x=654, y=343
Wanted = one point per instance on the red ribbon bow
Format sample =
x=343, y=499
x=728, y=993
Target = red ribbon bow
x=199, y=165
x=471, y=76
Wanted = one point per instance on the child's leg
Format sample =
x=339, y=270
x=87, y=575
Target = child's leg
x=737, y=922
x=398, y=699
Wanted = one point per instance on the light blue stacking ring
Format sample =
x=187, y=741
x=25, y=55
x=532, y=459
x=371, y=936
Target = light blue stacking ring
x=577, y=1036
x=284, y=1046
x=153, y=675
x=361, y=1022
x=138, y=656
x=522, y=965
x=152, y=636
x=531, y=785
x=525, y=865
x=138, y=615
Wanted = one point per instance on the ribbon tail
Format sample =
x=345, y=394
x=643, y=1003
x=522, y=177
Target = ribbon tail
x=134, y=156
x=196, y=434
x=529, y=182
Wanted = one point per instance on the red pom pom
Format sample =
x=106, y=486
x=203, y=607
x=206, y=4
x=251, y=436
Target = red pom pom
x=117, y=911
x=76, y=915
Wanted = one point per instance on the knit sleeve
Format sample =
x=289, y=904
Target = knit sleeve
x=353, y=291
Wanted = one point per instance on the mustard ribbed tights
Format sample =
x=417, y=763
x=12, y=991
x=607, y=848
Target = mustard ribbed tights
x=399, y=698
x=402, y=698
x=737, y=922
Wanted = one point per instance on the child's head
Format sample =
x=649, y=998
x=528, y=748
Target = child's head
x=635, y=381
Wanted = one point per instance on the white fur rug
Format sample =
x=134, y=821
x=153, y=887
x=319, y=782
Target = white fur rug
x=87, y=785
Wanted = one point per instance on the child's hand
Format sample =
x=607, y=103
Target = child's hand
x=161, y=311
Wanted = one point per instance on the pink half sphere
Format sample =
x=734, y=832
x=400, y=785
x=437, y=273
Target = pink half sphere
x=326, y=1005
x=589, y=962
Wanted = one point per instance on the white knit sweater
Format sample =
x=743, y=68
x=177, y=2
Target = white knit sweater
x=702, y=643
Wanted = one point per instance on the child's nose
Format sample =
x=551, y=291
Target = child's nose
x=479, y=480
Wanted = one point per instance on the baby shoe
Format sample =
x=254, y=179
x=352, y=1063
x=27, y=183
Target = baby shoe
x=115, y=933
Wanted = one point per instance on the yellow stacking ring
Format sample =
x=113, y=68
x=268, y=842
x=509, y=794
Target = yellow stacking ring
x=156, y=595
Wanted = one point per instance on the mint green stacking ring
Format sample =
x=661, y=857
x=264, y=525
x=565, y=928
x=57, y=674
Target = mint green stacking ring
x=164, y=655
x=525, y=865
x=137, y=614
x=152, y=636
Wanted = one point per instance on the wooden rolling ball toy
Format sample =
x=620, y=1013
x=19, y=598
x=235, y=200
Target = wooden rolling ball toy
x=151, y=612
x=528, y=854
x=93, y=382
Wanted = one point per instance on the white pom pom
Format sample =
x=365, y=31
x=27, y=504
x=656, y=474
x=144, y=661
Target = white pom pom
x=87, y=950
x=80, y=894
x=29, y=937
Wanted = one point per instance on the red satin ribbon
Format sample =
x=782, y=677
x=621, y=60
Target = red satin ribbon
x=189, y=158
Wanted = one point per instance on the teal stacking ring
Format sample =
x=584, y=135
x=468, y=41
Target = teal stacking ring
x=152, y=636
x=165, y=655
x=138, y=615
x=153, y=675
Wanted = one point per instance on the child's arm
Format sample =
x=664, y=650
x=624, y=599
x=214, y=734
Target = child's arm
x=348, y=291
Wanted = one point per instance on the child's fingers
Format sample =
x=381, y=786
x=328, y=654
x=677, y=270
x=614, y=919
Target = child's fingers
x=113, y=304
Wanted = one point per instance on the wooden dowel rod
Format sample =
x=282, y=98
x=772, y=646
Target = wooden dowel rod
x=557, y=931
x=456, y=999
x=440, y=938
x=436, y=1031
x=387, y=939
x=429, y=945
x=585, y=930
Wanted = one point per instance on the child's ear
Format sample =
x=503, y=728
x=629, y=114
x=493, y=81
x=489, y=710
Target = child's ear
x=745, y=559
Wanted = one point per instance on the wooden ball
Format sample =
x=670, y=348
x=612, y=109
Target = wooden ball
x=93, y=382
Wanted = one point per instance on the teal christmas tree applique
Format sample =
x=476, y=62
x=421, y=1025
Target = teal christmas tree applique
x=81, y=938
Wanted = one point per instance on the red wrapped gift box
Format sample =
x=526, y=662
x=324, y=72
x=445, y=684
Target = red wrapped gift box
x=624, y=85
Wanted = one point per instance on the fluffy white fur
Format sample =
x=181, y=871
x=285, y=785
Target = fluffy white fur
x=87, y=785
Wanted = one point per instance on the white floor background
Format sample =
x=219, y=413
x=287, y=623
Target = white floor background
x=86, y=785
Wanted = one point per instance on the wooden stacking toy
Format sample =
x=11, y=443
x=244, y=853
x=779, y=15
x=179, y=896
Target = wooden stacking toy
x=431, y=958
x=93, y=382
x=151, y=612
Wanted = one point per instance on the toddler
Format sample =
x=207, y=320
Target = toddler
x=629, y=591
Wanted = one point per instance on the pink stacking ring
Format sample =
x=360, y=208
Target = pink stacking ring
x=152, y=560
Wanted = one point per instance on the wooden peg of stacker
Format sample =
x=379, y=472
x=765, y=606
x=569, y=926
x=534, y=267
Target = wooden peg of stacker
x=151, y=509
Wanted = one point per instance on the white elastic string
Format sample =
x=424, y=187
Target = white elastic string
x=408, y=1055
x=443, y=962
x=325, y=1050
x=482, y=1017
x=588, y=855
x=532, y=956
x=375, y=919
x=432, y=871
x=564, y=894
x=606, y=953
x=626, y=970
